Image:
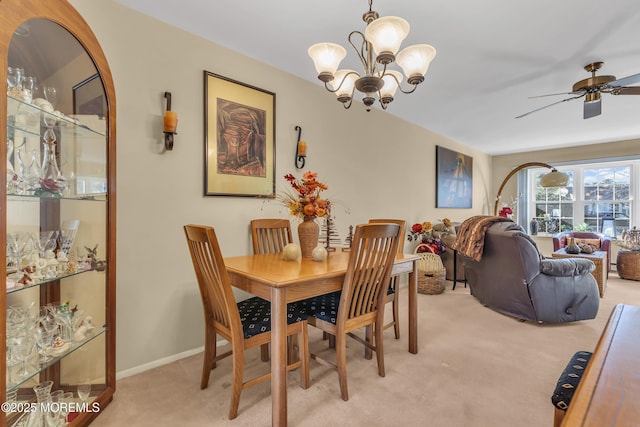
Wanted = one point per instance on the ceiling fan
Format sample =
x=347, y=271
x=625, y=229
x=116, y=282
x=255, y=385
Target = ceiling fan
x=591, y=89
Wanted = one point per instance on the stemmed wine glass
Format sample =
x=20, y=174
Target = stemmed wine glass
x=65, y=409
x=84, y=389
x=50, y=94
x=19, y=246
x=47, y=242
x=15, y=75
x=24, y=346
x=28, y=170
x=44, y=340
x=17, y=320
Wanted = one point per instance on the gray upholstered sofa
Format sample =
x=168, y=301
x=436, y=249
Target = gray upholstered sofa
x=513, y=278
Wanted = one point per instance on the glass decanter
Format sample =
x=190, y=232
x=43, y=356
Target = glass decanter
x=52, y=181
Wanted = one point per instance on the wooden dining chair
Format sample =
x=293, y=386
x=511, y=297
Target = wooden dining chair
x=363, y=292
x=270, y=235
x=245, y=324
x=392, y=293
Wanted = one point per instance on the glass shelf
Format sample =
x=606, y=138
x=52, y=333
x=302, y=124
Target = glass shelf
x=41, y=366
x=45, y=281
x=96, y=197
x=31, y=115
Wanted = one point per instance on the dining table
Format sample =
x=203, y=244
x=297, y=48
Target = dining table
x=607, y=395
x=281, y=281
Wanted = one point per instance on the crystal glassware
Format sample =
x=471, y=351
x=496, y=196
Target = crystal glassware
x=27, y=171
x=24, y=346
x=51, y=179
x=50, y=94
x=44, y=340
x=84, y=389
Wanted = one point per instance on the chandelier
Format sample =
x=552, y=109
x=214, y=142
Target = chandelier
x=378, y=47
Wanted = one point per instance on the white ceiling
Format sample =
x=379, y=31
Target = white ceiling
x=491, y=56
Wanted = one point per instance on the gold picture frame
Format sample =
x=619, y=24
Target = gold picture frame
x=239, y=138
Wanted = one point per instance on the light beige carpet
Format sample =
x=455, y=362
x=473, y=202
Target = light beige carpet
x=475, y=367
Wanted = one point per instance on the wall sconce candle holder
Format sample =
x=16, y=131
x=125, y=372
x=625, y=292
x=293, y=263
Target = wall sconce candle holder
x=301, y=150
x=170, y=124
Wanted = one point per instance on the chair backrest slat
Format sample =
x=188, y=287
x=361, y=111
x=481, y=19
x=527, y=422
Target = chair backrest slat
x=270, y=235
x=369, y=269
x=218, y=300
x=401, y=222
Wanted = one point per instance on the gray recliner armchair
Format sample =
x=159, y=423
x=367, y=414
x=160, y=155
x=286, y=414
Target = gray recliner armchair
x=513, y=278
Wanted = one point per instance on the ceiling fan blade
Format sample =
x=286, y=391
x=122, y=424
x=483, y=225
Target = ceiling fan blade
x=626, y=81
x=592, y=108
x=550, y=105
x=635, y=90
x=556, y=94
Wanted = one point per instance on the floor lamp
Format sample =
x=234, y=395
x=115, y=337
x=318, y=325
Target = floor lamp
x=551, y=179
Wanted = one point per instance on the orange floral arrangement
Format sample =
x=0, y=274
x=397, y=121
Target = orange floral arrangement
x=305, y=200
x=423, y=233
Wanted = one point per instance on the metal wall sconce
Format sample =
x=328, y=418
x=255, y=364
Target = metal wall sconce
x=301, y=150
x=170, y=124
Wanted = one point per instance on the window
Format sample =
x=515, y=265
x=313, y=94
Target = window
x=598, y=198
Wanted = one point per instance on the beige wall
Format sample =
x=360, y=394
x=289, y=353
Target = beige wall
x=375, y=165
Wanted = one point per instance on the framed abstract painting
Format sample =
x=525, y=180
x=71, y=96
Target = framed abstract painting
x=454, y=179
x=239, y=138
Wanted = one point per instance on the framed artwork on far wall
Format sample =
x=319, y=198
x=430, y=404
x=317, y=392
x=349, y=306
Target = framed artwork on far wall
x=88, y=97
x=239, y=138
x=454, y=179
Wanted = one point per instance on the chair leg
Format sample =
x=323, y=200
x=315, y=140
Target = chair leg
x=332, y=341
x=264, y=352
x=379, y=344
x=396, y=323
x=303, y=350
x=368, y=337
x=237, y=378
x=209, y=361
x=292, y=352
x=341, y=365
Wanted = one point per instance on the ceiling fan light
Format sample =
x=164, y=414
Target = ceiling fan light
x=386, y=34
x=326, y=58
x=554, y=179
x=415, y=61
x=343, y=83
x=390, y=86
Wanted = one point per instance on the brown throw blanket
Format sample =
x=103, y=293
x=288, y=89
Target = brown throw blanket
x=470, y=240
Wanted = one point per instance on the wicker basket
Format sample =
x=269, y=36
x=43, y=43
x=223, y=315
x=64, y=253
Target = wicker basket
x=431, y=272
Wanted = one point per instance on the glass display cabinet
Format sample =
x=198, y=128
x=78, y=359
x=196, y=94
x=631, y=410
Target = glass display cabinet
x=57, y=217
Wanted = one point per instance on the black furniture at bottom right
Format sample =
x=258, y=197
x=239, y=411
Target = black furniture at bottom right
x=567, y=384
x=513, y=278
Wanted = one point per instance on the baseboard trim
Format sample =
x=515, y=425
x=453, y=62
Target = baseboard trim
x=164, y=361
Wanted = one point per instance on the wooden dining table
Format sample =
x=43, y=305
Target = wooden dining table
x=270, y=277
x=607, y=395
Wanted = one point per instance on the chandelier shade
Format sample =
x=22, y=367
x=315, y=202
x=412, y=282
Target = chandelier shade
x=377, y=48
x=327, y=58
x=343, y=83
x=390, y=81
x=414, y=60
x=386, y=34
